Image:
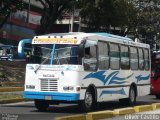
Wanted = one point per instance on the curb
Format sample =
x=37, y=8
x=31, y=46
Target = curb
x=124, y=111
x=99, y=115
x=73, y=117
x=12, y=100
x=156, y=106
x=143, y=108
x=11, y=89
x=113, y=113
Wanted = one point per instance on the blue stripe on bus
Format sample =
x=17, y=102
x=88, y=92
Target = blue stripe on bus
x=112, y=77
x=54, y=95
x=141, y=78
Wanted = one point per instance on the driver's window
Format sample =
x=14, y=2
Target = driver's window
x=90, y=58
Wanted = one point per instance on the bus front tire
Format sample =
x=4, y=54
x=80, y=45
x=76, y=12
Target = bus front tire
x=41, y=105
x=88, y=103
x=131, y=100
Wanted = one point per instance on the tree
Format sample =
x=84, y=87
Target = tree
x=52, y=10
x=90, y=15
x=100, y=15
x=8, y=7
x=148, y=20
x=124, y=16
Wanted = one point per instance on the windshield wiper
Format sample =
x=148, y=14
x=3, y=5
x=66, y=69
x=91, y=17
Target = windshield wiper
x=42, y=63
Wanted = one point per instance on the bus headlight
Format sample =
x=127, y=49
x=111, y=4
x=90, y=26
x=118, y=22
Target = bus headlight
x=30, y=86
x=66, y=88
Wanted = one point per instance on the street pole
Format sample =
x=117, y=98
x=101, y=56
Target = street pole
x=29, y=7
x=72, y=21
x=79, y=28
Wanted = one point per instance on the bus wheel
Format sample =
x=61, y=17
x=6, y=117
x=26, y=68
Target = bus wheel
x=158, y=96
x=132, y=96
x=88, y=102
x=41, y=105
x=131, y=100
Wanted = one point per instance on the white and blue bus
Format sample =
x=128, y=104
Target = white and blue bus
x=86, y=68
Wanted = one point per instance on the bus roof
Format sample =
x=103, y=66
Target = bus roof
x=54, y=37
x=113, y=36
x=77, y=37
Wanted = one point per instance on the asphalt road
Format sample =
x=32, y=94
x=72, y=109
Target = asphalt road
x=27, y=111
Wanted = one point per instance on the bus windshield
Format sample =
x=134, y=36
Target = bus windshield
x=63, y=54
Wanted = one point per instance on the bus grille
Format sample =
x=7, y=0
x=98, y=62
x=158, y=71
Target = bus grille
x=49, y=85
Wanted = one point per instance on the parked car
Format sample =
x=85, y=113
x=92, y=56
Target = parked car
x=8, y=52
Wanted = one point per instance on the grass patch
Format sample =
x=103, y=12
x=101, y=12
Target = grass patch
x=10, y=96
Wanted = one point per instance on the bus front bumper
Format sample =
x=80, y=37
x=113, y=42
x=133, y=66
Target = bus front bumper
x=51, y=96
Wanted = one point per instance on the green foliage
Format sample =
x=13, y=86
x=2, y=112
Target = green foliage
x=141, y=17
x=101, y=14
x=148, y=20
x=138, y=16
x=2, y=75
x=8, y=7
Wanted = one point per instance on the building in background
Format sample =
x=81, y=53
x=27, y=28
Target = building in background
x=22, y=24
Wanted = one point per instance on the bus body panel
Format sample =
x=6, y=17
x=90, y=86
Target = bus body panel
x=69, y=82
x=115, y=84
x=48, y=82
x=109, y=84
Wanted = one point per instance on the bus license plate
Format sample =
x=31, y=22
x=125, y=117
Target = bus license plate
x=48, y=97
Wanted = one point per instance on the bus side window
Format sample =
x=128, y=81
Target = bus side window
x=133, y=58
x=146, y=59
x=90, y=58
x=114, y=57
x=141, y=59
x=125, y=57
x=103, y=55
